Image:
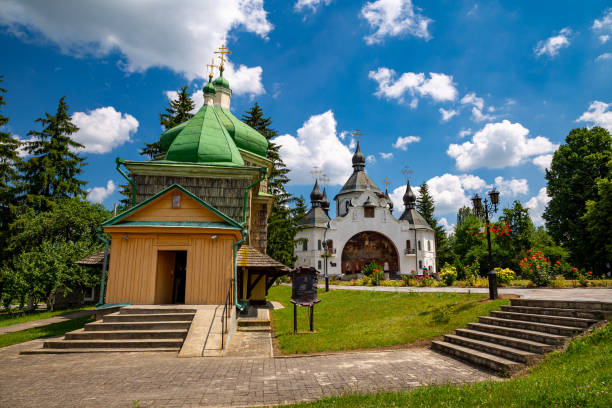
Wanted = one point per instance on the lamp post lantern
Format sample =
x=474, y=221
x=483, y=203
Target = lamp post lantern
x=486, y=209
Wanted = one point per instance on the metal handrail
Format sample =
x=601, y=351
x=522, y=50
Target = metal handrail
x=227, y=312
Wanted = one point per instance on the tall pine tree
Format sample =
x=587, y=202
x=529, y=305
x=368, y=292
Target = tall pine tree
x=425, y=205
x=282, y=221
x=9, y=161
x=178, y=112
x=52, y=170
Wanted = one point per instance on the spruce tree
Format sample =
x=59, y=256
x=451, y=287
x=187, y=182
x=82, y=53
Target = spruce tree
x=9, y=161
x=282, y=222
x=52, y=170
x=178, y=112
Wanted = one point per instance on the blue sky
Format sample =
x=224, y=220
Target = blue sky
x=469, y=94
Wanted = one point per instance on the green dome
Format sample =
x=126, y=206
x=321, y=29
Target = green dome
x=222, y=82
x=209, y=87
x=244, y=136
x=201, y=139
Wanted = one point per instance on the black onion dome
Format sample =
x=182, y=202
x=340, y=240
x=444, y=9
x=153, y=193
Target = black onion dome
x=324, y=200
x=409, y=197
x=316, y=194
x=358, y=157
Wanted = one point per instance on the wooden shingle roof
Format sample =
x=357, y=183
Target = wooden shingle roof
x=251, y=258
x=92, y=260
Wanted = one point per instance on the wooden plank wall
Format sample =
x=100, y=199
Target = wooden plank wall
x=161, y=210
x=133, y=267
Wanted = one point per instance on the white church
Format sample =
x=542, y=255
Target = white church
x=365, y=230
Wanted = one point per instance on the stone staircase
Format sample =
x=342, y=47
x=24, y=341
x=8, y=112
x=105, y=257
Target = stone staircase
x=520, y=334
x=257, y=320
x=130, y=329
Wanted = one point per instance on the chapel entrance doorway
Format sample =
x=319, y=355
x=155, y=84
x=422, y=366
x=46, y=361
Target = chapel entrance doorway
x=171, y=277
x=368, y=246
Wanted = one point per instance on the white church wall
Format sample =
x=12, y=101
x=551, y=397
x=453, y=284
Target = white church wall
x=314, y=249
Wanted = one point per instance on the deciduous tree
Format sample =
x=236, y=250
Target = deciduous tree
x=572, y=181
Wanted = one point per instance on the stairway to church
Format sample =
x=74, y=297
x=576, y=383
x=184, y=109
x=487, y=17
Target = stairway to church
x=130, y=329
x=520, y=334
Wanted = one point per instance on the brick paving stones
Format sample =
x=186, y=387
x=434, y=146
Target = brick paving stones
x=162, y=380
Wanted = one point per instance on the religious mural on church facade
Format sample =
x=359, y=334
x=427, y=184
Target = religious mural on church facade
x=366, y=247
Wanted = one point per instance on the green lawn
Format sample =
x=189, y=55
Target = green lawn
x=55, y=329
x=579, y=377
x=348, y=319
x=7, y=319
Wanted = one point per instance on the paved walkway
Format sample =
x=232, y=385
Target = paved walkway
x=43, y=322
x=599, y=294
x=162, y=380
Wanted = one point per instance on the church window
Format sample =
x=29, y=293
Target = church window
x=419, y=243
x=420, y=263
x=407, y=244
x=305, y=245
x=428, y=245
x=319, y=245
x=369, y=212
x=319, y=264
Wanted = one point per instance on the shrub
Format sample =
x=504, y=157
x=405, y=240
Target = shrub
x=372, y=267
x=378, y=275
x=426, y=281
x=558, y=281
x=505, y=276
x=442, y=314
x=537, y=268
x=448, y=274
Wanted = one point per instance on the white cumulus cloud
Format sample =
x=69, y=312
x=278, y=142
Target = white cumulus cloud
x=598, y=113
x=604, y=56
x=447, y=114
x=103, y=129
x=451, y=192
x=537, y=205
x=552, y=45
x=403, y=142
x=604, y=38
x=371, y=159
x=316, y=144
x=386, y=156
x=465, y=132
x=393, y=18
x=311, y=5
x=439, y=87
x=605, y=23
x=499, y=145
x=512, y=187
x=472, y=99
x=448, y=227
x=146, y=33
x=543, y=161
x=99, y=194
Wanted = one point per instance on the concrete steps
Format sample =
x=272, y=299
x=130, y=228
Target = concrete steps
x=520, y=334
x=257, y=320
x=130, y=329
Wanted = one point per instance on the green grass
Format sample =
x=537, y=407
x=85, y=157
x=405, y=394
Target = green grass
x=7, y=319
x=50, y=330
x=579, y=377
x=348, y=320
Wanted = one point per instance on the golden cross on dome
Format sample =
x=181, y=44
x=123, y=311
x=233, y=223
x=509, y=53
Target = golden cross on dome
x=407, y=172
x=357, y=134
x=324, y=180
x=315, y=172
x=386, y=182
x=222, y=50
x=211, y=66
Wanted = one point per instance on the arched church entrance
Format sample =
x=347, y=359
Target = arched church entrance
x=368, y=246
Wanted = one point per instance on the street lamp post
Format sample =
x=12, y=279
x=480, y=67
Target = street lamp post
x=326, y=255
x=485, y=210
